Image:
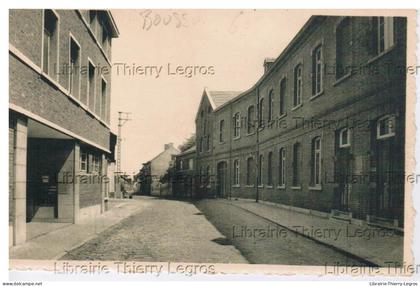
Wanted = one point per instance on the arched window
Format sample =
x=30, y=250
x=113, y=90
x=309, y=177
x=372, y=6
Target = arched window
x=237, y=125
x=222, y=131
x=270, y=105
x=282, y=167
x=236, y=172
x=296, y=164
x=317, y=70
x=251, y=119
x=298, y=85
x=260, y=169
x=282, y=104
x=261, y=113
x=270, y=169
x=249, y=171
x=316, y=162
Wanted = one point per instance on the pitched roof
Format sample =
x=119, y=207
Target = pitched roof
x=189, y=150
x=219, y=98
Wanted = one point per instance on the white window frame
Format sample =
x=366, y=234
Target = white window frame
x=282, y=167
x=270, y=105
x=88, y=86
x=70, y=77
x=392, y=128
x=104, y=118
x=281, y=103
x=348, y=144
x=388, y=36
x=55, y=76
x=250, y=130
x=237, y=125
x=270, y=169
x=222, y=131
x=319, y=68
x=260, y=163
x=297, y=85
x=237, y=172
x=317, y=166
x=248, y=171
x=86, y=161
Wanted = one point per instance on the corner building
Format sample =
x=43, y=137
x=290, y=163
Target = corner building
x=59, y=111
x=323, y=129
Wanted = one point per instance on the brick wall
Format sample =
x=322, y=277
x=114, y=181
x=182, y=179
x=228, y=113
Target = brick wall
x=361, y=97
x=34, y=93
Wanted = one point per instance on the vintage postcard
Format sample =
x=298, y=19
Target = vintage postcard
x=200, y=142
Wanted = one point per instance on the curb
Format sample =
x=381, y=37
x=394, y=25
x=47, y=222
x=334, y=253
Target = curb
x=340, y=250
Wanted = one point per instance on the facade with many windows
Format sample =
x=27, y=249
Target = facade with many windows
x=59, y=109
x=322, y=129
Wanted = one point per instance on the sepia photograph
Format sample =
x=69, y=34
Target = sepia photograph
x=200, y=141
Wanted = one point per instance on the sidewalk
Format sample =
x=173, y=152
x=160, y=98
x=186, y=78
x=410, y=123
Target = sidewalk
x=55, y=244
x=375, y=245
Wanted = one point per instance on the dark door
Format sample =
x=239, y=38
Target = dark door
x=385, y=168
x=343, y=178
x=221, y=179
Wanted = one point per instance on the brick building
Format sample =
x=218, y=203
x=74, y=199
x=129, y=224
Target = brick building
x=322, y=129
x=59, y=110
x=184, y=179
x=152, y=172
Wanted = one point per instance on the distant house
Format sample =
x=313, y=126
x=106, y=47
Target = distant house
x=152, y=171
x=184, y=179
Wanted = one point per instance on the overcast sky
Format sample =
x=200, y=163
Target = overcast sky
x=229, y=45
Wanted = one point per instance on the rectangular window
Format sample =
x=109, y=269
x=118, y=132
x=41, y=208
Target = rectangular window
x=50, y=44
x=249, y=171
x=343, y=48
x=236, y=173
x=96, y=164
x=270, y=169
x=191, y=164
x=317, y=67
x=296, y=164
x=221, y=131
x=298, y=85
x=74, y=69
x=344, y=139
x=237, y=125
x=91, y=86
x=260, y=170
x=283, y=97
x=261, y=113
x=270, y=105
x=83, y=161
x=385, y=127
x=384, y=33
x=104, y=98
x=316, y=162
x=282, y=167
x=251, y=119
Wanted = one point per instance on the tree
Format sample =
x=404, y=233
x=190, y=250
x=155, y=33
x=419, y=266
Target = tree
x=188, y=143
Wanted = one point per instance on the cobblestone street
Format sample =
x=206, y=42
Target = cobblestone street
x=165, y=230
x=178, y=231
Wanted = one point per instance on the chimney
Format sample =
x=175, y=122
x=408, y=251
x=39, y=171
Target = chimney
x=268, y=62
x=168, y=146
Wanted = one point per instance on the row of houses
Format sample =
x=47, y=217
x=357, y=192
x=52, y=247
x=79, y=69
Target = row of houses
x=322, y=129
x=60, y=142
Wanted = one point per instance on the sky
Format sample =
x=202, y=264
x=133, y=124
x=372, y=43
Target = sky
x=163, y=60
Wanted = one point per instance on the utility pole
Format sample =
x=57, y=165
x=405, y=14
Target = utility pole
x=123, y=117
